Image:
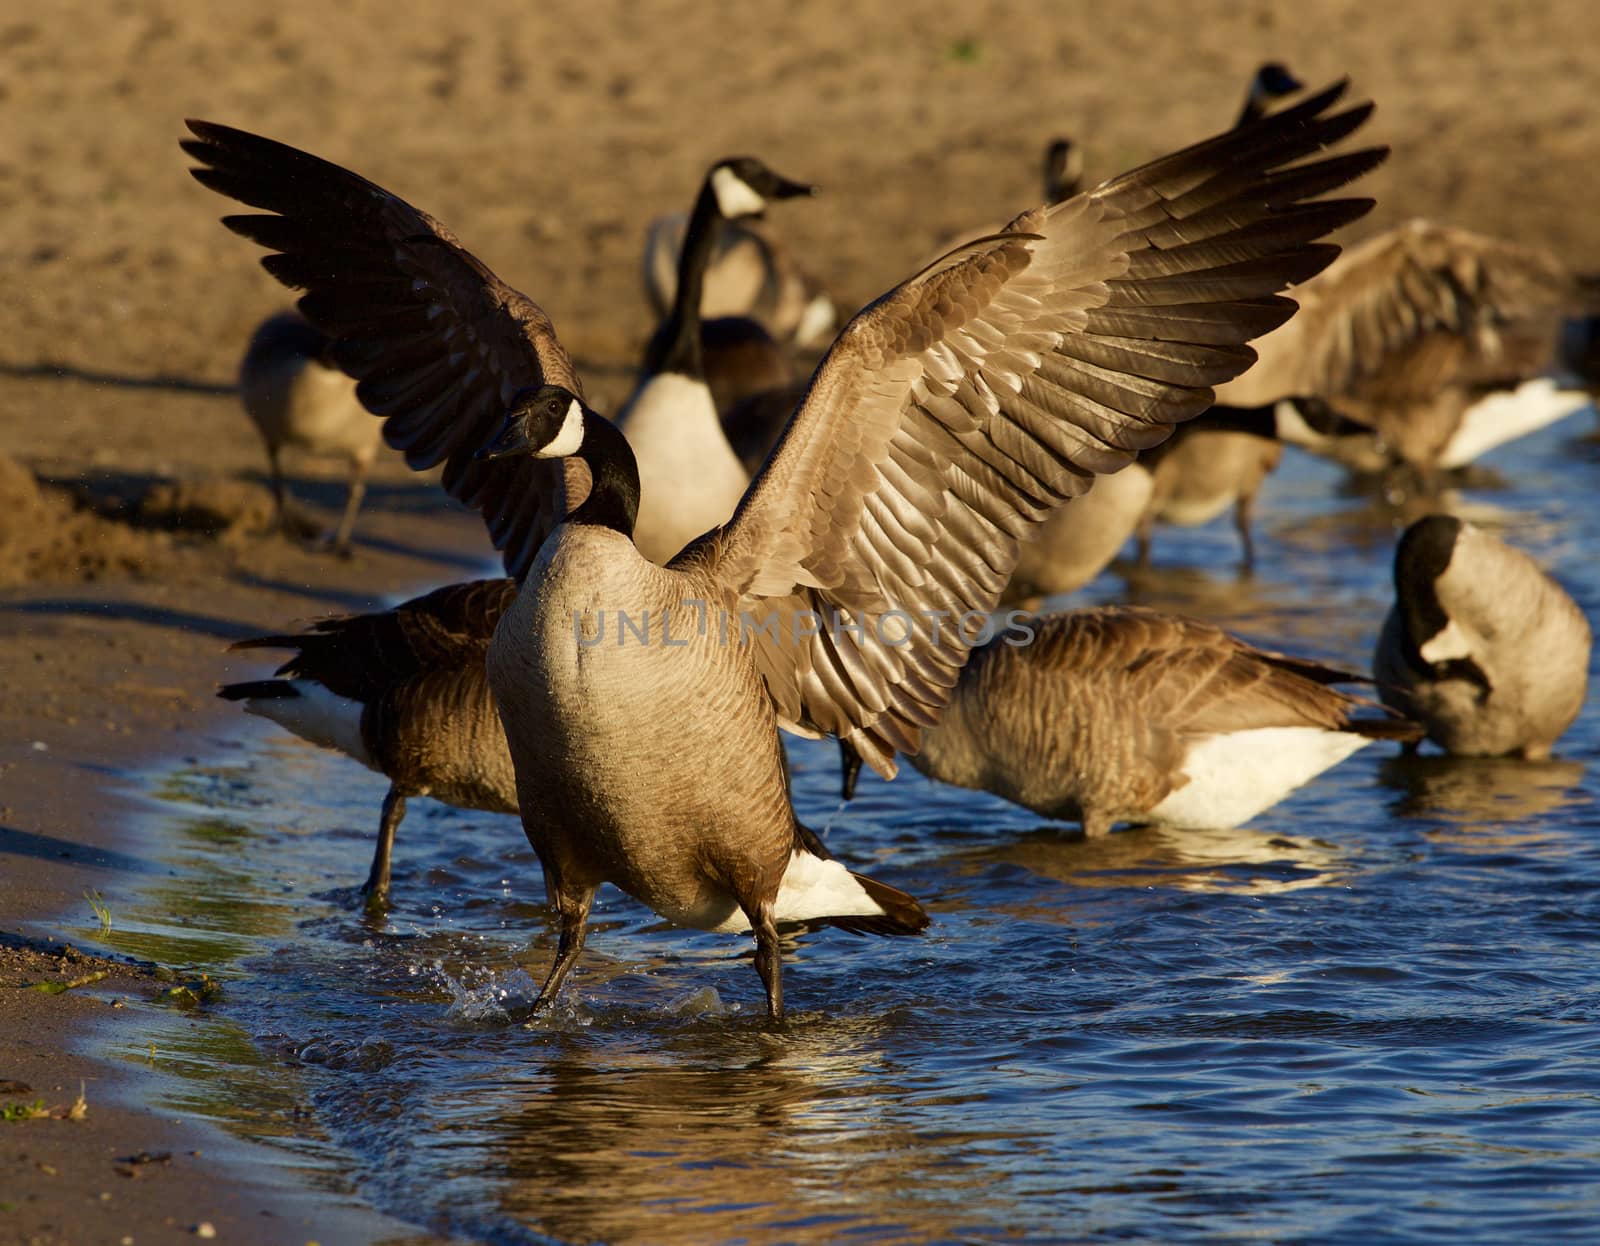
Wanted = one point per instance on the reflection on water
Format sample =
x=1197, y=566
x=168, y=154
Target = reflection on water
x=1484, y=792
x=1368, y=1015
x=1245, y=859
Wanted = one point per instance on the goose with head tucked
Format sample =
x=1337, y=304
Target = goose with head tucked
x=1482, y=646
x=642, y=704
x=690, y=477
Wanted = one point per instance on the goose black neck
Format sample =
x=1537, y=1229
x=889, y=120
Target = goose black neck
x=1252, y=110
x=613, y=500
x=680, y=339
x=1260, y=421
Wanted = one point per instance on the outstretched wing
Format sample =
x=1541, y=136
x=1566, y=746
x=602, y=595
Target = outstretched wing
x=438, y=343
x=967, y=403
x=1413, y=309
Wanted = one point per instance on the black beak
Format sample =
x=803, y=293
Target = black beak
x=849, y=770
x=785, y=189
x=510, y=440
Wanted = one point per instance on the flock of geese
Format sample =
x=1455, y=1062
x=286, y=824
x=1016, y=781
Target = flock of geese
x=740, y=554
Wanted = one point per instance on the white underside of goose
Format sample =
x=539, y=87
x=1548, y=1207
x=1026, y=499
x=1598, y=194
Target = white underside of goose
x=1508, y=414
x=1192, y=512
x=317, y=715
x=812, y=889
x=690, y=480
x=1234, y=777
x=817, y=322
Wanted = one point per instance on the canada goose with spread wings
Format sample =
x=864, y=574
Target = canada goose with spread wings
x=950, y=415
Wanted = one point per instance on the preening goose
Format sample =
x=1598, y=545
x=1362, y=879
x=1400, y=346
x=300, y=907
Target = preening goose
x=1482, y=647
x=1435, y=339
x=297, y=399
x=1127, y=715
x=690, y=476
x=642, y=703
x=404, y=692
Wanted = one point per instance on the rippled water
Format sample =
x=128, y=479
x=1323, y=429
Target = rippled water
x=1373, y=1013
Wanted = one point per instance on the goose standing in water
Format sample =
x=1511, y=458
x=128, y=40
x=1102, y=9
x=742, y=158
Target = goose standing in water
x=297, y=399
x=404, y=692
x=689, y=475
x=1482, y=647
x=1119, y=714
x=951, y=413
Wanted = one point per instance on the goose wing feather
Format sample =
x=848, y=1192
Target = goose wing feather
x=967, y=403
x=1408, y=311
x=438, y=343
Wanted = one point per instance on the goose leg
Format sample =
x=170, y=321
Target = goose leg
x=769, y=957
x=573, y=910
x=849, y=769
x=376, y=888
x=352, y=504
x=275, y=465
x=1146, y=524
x=1241, y=521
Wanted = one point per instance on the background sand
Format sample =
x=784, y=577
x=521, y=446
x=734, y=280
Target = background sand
x=545, y=135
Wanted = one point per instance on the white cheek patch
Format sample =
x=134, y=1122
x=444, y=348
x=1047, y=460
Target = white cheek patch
x=569, y=439
x=735, y=198
x=1448, y=643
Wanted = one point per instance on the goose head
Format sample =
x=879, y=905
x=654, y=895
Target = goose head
x=742, y=185
x=1272, y=82
x=546, y=422
x=1063, y=169
x=1433, y=638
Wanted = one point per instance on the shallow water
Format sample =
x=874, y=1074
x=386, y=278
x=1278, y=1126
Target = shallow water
x=1371, y=1014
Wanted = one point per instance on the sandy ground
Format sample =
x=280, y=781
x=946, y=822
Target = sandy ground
x=134, y=540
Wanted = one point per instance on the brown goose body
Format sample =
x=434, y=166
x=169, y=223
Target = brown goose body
x=1078, y=542
x=951, y=414
x=299, y=400
x=1482, y=646
x=703, y=844
x=406, y=693
x=1412, y=334
x=1198, y=477
x=1119, y=714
